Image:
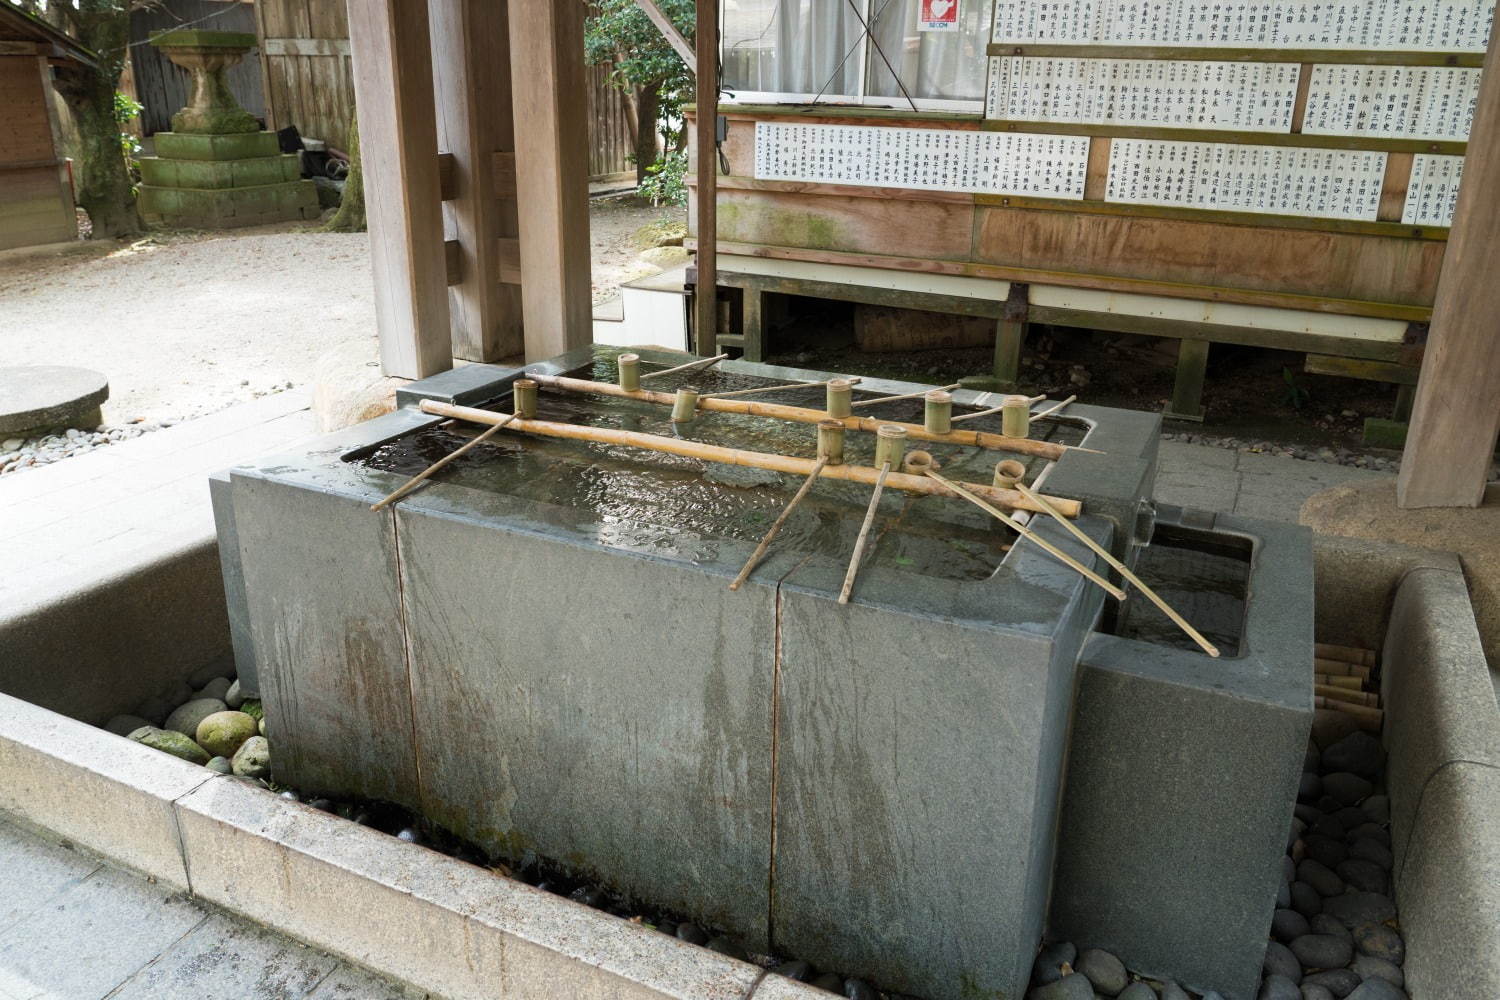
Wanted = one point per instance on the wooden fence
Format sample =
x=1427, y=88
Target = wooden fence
x=304, y=57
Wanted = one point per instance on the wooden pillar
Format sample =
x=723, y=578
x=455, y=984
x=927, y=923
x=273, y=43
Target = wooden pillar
x=552, y=183
x=1456, y=416
x=471, y=76
x=1192, y=371
x=705, y=294
x=398, y=142
x=1010, y=335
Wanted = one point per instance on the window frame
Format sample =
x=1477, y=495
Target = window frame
x=862, y=99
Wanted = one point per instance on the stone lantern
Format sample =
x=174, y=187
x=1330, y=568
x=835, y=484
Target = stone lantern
x=217, y=168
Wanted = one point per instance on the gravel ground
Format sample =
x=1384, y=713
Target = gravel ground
x=185, y=324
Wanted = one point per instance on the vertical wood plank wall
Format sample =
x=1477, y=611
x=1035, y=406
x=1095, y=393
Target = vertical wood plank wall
x=311, y=85
x=161, y=85
x=36, y=205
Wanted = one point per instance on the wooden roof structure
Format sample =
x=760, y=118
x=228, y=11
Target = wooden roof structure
x=16, y=25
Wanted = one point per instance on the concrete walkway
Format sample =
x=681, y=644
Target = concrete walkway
x=1230, y=482
x=72, y=928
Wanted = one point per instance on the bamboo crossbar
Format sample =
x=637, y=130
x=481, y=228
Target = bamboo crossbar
x=735, y=456
x=690, y=366
x=769, y=388
x=907, y=395
x=427, y=473
x=1053, y=411
x=803, y=415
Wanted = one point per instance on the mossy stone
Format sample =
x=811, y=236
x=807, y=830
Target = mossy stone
x=224, y=732
x=169, y=741
x=253, y=759
x=220, y=765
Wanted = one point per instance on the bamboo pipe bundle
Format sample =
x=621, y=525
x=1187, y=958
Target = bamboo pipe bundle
x=1345, y=695
x=1347, y=683
x=734, y=456
x=1346, y=654
x=1341, y=669
x=803, y=415
x=1369, y=719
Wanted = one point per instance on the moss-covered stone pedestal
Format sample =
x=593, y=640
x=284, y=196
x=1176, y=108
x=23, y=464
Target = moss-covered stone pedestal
x=216, y=168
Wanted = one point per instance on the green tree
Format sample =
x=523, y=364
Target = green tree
x=646, y=69
x=101, y=173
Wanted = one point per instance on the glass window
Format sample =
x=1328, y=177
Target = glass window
x=800, y=47
x=935, y=65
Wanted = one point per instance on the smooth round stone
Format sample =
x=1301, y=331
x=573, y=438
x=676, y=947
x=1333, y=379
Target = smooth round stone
x=1295, y=831
x=1347, y=788
x=1377, y=989
x=1325, y=851
x=411, y=835
x=1356, y=909
x=216, y=688
x=1322, y=951
x=1312, y=758
x=692, y=934
x=186, y=718
x=172, y=742
x=233, y=696
x=1351, y=817
x=1329, y=727
x=593, y=896
x=1327, y=826
x=1339, y=982
x=179, y=694
x=1358, y=753
x=124, y=725
x=1049, y=962
x=1275, y=987
x=1305, y=899
x=834, y=984
x=1137, y=991
x=1365, y=876
x=1283, y=896
x=253, y=760
x=1368, y=967
x=1308, y=814
x=1312, y=991
x=1378, y=808
x=37, y=396
x=1288, y=925
x=1104, y=970
x=220, y=765
x=798, y=970
x=1309, y=787
x=1171, y=991
x=1288, y=869
x=1324, y=924
x=1371, y=831
x=154, y=710
x=223, y=733
x=1280, y=961
x=1367, y=849
x=1380, y=941
x=858, y=989
x=1073, y=987
x=1320, y=877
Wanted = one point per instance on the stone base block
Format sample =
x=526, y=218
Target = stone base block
x=255, y=171
x=235, y=146
x=215, y=208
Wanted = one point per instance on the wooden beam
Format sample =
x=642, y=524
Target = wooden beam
x=670, y=33
x=705, y=293
x=305, y=46
x=552, y=186
x=398, y=142
x=1456, y=417
x=472, y=79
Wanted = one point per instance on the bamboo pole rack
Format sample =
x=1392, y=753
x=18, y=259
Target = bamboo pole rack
x=803, y=415
x=735, y=456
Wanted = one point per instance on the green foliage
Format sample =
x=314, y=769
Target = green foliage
x=665, y=182
x=1297, y=395
x=126, y=109
x=618, y=31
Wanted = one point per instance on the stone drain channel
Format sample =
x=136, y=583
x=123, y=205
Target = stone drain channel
x=1334, y=933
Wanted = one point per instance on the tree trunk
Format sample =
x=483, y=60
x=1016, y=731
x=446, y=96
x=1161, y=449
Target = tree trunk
x=647, y=110
x=102, y=176
x=350, y=218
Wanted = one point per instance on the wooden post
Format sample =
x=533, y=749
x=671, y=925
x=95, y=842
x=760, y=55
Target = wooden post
x=705, y=295
x=471, y=75
x=1010, y=334
x=388, y=40
x=552, y=184
x=1192, y=370
x=753, y=324
x=1456, y=416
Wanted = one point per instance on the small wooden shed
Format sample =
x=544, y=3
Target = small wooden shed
x=36, y=191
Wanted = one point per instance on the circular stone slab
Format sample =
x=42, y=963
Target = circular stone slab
x=42, y=396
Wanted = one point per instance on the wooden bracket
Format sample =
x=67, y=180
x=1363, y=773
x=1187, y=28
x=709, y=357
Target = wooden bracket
x=447, y=176
x=670, y=33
